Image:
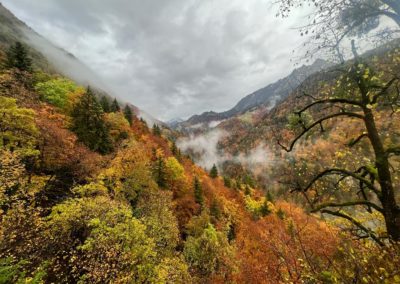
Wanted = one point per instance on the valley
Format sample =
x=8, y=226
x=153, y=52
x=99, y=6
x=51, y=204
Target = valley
x=298, y=182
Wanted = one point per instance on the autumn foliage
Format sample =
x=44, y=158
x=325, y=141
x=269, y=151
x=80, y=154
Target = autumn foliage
x=89, y=195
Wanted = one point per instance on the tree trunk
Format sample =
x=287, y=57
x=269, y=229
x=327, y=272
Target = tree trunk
x=391, y=211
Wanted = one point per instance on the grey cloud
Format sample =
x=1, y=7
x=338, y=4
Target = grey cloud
x=171, y=58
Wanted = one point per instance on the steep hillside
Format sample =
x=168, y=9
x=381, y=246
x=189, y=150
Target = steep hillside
x=12, y=30
x=52, y=59
x=260, y=129
x=45, y=55
x=319, y=129
x=89, y=193
x=273, y=93
x=93, y=197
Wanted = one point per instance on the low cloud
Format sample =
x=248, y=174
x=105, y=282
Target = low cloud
x=204, y=148
x=257, y=160
x=171, y=58
x=70, y=66
x=215, y=123
x=205, y=151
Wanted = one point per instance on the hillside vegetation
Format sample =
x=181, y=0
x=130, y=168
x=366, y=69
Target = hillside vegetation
x=88, y=196
x=92, y=197
x=306, y=191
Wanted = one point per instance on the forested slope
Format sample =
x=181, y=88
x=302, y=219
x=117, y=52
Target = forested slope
x=92, y=196
x=89, y=193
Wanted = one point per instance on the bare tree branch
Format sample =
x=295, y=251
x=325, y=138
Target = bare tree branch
x=353, y=142
x=356, y=223
x=393, y=150
x=384, y=90
x=316, y=123
x=341, y=172
x=347, y=204
x=331, y=101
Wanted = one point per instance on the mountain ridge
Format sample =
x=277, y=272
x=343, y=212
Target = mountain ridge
x=266, y=97
x=54, y=59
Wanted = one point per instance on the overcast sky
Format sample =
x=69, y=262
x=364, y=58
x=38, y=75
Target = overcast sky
x=172, y=58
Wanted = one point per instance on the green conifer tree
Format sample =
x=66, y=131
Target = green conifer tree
x=17, y=57
x=198, y=192
x=128, y=114
x=88, y=124
x=264, y=210
x=214, y=172
x=281, y=214
x=227, y=182
x=159, y=172
x=156, y=130
x=175, y=150
x=247, y=190
x=144, y=123
x=238, y=184
x=215, y=211
x=115, y=106
x=269, y=197
x=231, y=232
x=105, y=104
x=247, y=179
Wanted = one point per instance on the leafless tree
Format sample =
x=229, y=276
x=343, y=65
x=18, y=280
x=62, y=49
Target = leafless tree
x=333, y=22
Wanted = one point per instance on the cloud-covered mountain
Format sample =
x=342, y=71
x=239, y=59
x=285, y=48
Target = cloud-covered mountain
x=266, y=98
x=45, y=54
x=53, y=59
x=172, y=58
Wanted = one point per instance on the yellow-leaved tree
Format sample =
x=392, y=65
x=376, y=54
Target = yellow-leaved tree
x=18, y=130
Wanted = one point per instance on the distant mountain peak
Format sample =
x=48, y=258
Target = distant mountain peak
x=266, y=97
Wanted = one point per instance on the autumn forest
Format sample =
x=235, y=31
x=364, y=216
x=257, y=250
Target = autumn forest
x=302, y=186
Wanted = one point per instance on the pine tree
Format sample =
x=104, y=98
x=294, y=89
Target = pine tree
x=198, y=192
x=128, y=114
x=227, y=182
x=156, y=130
x=247, y=190
x=247, y=179
x=269, y=197
x=88, y=124
x=143, y=122
x=214, y=172
x=17, y=57
x=238, y=184
x=160, y=174
x=215, y=211
x=264, y=210
x=105, y=104
x=281, y=214
x=231, y=232
x=175, y=150
x=115, y=106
